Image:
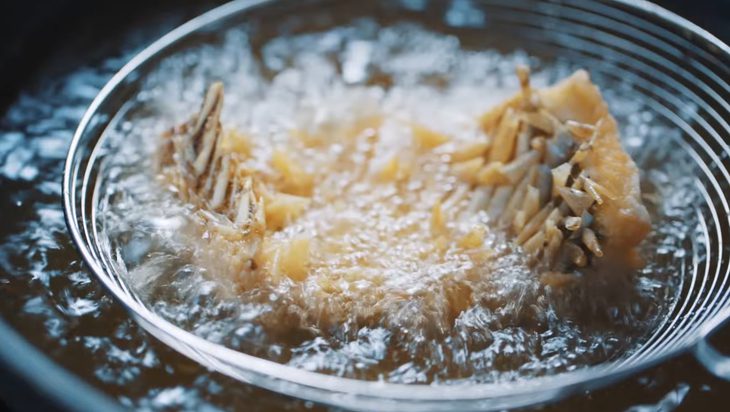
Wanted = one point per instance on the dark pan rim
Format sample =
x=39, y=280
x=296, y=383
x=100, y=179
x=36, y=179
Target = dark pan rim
x=21, y=360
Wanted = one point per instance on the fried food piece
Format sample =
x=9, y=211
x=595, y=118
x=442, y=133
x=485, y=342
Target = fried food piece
x=212, y=178
x=556, y=157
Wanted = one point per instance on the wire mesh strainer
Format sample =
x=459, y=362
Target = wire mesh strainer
x=680, y=71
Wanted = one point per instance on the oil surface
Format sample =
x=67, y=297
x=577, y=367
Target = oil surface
x=380, y=304
x=51, y=298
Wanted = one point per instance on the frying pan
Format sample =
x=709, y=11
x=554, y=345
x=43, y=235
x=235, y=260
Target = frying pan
x=671, y=63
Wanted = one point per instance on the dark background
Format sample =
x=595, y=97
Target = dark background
x=30, y=30
x=34, y=33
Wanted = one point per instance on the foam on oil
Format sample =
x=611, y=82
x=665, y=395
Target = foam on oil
x=515, y=328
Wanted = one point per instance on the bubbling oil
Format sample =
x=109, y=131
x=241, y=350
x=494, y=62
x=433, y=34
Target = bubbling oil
x=383, y=305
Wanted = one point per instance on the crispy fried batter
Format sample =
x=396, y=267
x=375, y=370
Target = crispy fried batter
x=584, y=177
x=211, y=178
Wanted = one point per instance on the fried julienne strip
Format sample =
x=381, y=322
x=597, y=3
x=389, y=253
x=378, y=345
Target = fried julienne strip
x=559, y=180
